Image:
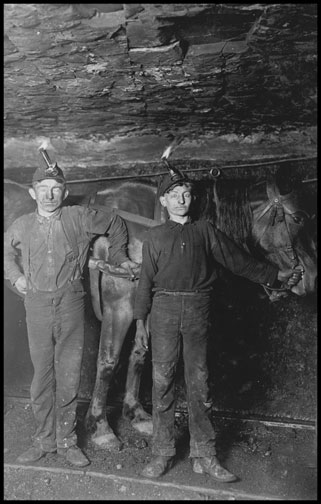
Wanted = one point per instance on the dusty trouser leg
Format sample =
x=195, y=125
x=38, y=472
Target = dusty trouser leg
x=40, y=320
x=165, y=316
x=195, y=321
x=164, y=408
x=69, y=335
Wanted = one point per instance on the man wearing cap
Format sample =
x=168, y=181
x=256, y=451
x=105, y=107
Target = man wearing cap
x=54, y=241
x=179, y=268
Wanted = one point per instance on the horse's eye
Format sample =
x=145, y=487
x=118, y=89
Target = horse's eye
x=298, y=218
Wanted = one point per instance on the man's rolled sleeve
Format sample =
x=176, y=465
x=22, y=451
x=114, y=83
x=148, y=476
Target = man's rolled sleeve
x=117, y=232
x=110, y=224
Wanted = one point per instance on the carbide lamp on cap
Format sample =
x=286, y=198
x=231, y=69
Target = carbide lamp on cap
x=174, y=176
x=49, y=171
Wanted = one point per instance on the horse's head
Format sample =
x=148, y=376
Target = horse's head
x=270, y=225
x=281, y=230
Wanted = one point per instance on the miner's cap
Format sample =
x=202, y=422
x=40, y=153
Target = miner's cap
x=49, y=172
x=169, y=182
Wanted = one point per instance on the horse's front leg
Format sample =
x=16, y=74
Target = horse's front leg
x=117, y=317
x=132, y=408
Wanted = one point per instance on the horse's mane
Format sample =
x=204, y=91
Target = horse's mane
x=233, y=214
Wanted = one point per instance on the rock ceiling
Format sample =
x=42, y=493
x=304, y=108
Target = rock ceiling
x=121, y=80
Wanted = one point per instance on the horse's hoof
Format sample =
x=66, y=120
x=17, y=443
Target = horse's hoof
x=136, y=413
x=142, y=416
x=107, y=442
x=145, y=427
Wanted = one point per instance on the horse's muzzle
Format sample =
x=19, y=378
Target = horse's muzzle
x=306, y=286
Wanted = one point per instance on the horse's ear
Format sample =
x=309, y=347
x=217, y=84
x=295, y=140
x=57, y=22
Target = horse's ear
x=287, y=180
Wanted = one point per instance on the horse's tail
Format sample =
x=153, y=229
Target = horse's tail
x=100, y=251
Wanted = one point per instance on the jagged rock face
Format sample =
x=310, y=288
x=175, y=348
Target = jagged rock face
x=99, y=72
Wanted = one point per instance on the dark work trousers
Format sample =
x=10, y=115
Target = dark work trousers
x=55, y=323
x=181, y=320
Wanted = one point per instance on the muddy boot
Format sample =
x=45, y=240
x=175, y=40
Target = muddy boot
x=33, y=454
x=74, y=456
x=157, y=467
x=212, y=467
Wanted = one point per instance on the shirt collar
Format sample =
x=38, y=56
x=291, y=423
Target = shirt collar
x=172, y=224
x=56, y=215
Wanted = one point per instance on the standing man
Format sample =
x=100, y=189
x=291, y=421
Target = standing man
x=179, y=269
x=54, y=241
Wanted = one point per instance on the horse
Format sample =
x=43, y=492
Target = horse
x=267, y=222
x=265, y=219
x=272, y=225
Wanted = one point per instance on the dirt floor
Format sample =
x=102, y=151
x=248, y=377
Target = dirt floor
x=272, y=463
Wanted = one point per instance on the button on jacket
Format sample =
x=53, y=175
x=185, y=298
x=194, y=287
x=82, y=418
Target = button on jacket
x=47, y=255
x=185, y=257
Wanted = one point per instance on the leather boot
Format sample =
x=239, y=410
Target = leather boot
x=212, y=467
x=74, y=455
x=157, y=467
x=33, y=454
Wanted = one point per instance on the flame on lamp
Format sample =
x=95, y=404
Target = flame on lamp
x=172, y=146
x=44, y=145
x=167, y=152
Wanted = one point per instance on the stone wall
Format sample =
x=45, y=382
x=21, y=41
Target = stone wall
x=111, y=84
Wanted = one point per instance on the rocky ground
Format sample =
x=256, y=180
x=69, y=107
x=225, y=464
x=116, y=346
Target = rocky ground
x=271, y=462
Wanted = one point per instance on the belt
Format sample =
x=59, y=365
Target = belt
x=183, y=293
x=65, y=287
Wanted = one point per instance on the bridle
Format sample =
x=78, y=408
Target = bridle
x=278, y=207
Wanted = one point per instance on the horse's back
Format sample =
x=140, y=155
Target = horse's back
x=16, y=202
x=131, y=196
x=137, y=198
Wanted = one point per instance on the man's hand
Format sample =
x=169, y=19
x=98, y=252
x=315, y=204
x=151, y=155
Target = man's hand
x=21, y=285
x=290, y=276
x=132, y=268
x=141, y=337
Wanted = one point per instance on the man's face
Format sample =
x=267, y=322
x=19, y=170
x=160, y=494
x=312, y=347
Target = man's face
x=177, y=200
x=49, y=195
